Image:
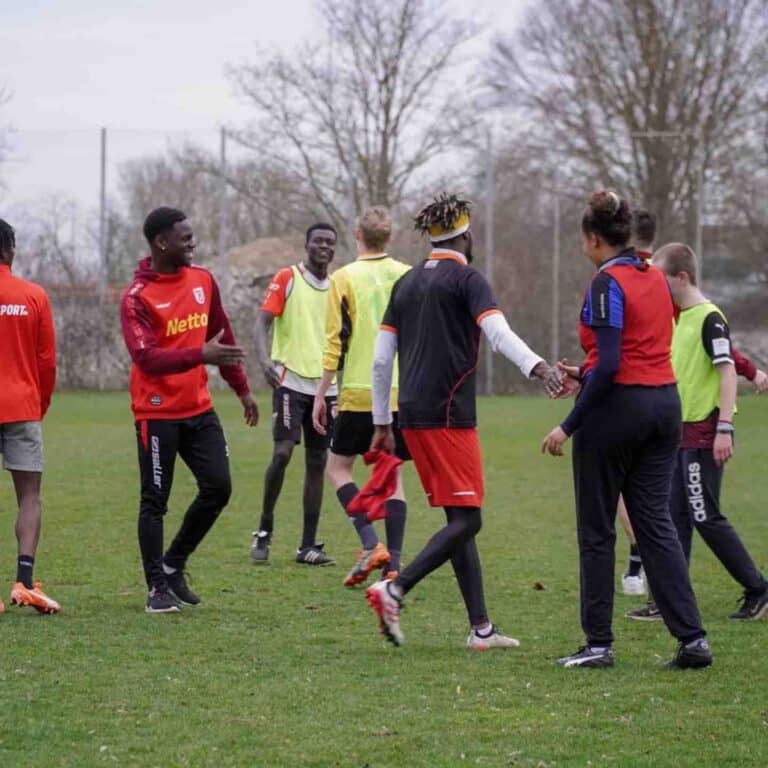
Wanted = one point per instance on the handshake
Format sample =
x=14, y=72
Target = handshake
x=560, y=380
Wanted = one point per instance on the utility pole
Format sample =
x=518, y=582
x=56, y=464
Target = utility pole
x=490, y=199
x=223, y=205
x=103, y=266
x=555, y=320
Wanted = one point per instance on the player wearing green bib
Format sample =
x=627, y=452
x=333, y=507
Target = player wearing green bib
x=359, y=295
x=294, y=307
x=706, y=379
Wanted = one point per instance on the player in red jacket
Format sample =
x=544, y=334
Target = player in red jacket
x=27, y=378
x=174, y=324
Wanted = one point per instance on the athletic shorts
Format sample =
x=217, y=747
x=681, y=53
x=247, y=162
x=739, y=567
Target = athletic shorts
x=449, y=465
x=292, y=413
x=21, y=443
x=353, y=432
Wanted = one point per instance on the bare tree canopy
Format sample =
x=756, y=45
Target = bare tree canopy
x=644, y=95
x=354, y=116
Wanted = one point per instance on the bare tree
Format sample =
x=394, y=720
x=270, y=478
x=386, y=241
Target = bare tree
x=354, y=117
x=5, y=141
x=645, y=95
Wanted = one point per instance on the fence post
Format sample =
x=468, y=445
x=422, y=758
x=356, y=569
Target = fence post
x=490, y=200
x=103, y=265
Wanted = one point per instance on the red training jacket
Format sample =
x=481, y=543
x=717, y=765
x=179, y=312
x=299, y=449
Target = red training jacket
x=27, y=349
x=166, y=320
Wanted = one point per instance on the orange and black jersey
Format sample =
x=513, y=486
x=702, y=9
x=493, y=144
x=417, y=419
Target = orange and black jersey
x=435, y=310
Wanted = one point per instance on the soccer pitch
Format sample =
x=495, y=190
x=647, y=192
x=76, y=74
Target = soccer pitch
x=282, y=666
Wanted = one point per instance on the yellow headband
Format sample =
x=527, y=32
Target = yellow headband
x=437, y=233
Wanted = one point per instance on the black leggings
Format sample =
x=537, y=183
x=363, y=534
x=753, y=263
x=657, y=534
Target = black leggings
x=456, y=541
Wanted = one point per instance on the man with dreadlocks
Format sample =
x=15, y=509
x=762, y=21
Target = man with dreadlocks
x=433, y=323
x=27, y=378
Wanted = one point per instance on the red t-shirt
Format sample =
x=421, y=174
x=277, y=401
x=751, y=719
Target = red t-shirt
x=166, y=320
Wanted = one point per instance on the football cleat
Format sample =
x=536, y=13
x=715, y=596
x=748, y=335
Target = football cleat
x=367, y=560
x=387, y=608
x=21, y=595
x=314, y=555
x=648, y=612
x=586, y=656
x=495, y=639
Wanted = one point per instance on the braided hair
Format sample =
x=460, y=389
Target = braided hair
x=442, y=213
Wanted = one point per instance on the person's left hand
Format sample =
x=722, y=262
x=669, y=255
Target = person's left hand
x=250, y=410
x=554, y=441
x=722, y=448
x=760, y=381
x=383, y=439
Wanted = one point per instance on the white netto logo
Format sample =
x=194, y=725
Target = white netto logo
x=14, y=310
x=157, y=470
x=199, y=294
x=696, y=492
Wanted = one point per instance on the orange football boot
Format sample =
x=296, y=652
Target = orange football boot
x=21, y=595
x=367, y=560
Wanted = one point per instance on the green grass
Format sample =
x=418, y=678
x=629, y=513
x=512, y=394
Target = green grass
x=283, y=667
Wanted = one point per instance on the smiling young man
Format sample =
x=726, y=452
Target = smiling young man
x=174, y=325
x=294, y=307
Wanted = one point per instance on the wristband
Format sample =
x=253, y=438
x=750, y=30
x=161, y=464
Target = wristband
x=725, y=428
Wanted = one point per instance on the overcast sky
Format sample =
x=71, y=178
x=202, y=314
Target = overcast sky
x=149, y=70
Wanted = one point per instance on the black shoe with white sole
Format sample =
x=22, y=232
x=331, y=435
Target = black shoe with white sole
x=160, y=600
x=693, y=655
x=587, y=656
x=178, y=587
x=648, y=612
x=314, y=555
x=753, y=607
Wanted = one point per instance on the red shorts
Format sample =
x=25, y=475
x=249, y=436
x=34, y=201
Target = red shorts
x=449, y=464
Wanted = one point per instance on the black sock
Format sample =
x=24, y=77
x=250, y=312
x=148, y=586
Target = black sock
x=395, y=528
x=365, y=530
x=24, y=567
x=635, y=561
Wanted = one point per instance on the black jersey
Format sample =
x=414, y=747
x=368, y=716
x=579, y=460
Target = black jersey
x=435, y=309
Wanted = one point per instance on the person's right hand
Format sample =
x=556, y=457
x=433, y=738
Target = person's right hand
x=271, y=374
x=571, y=381
x=320, y=415
x=216, y=353
x=761, y=382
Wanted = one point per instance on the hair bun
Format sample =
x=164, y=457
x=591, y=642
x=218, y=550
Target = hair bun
x=605, y=203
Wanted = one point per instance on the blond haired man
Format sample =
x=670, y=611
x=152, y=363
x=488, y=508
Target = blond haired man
x=358, y=296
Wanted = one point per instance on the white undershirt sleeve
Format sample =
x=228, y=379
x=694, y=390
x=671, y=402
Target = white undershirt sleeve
x=504, y=340
x=383, y=366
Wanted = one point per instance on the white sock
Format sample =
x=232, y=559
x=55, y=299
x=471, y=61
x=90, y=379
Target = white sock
x=484, y=630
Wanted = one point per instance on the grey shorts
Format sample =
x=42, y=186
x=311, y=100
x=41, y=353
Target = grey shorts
x=21, y=443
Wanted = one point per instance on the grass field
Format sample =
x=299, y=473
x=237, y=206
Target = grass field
x=283, y=667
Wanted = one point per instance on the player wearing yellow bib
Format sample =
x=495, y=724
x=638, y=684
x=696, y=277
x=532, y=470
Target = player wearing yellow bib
x=358, y=297
x=294, y=307
x=706, y=379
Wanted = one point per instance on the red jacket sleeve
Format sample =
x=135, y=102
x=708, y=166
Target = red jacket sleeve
x=744, y=366
x=141, y=341
x=46, y=355
x=234, y=375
